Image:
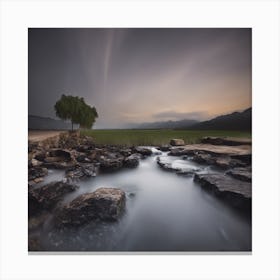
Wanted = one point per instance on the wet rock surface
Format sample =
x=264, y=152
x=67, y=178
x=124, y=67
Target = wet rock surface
x=47, y=197
x=81, y=171
x=104, y=204
x=235, y=192
x=243, y=174
x=35, y=173
x=143, y=151
x=132, y=161
x=226, y=141
x=180, y=166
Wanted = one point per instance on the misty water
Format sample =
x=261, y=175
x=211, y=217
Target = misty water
x=164, y=212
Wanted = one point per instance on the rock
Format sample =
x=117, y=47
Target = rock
x=164, y=148
x=179, y=152
x=132, y=161
x=63, y=155
x=235, y=192
x=246, y=158
x=243, y=174
x=104, y=204
x=203, y=158
x=81, y=171
x=143, y=151
x=60, y=165
x=36, y=172
x=177, y=142
x=165, y=164
x=83, y=159
x=181, y=167
x=110, y=165
x=40, y=156
x=227, y=141
x=35, y=162
x=126, y=152
x=216, y=150
x=46, y=197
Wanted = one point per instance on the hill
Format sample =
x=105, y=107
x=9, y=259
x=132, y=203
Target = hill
x=235, y=121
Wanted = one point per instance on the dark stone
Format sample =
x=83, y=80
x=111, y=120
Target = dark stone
x=226, y=141
x=81, y=171
x=109, y=165
x=64, y=155
x=40, y=156
x=36, y=172
x=246, y=158
x=125, y=152
x=132, y=161
x=104, y=204
x=47, y=197
x=164, y=148
x=235, y=192
x=143, y=151
x=243, y=174
x=203, y=158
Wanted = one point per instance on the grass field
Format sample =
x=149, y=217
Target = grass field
x=155, y=137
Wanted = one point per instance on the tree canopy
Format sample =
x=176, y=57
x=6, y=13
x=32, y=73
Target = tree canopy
x=75, y=109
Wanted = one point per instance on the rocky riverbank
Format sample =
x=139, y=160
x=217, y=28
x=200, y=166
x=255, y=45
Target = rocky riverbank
x=80, y=158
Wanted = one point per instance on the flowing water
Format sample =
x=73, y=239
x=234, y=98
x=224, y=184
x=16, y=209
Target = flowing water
x=164, y=212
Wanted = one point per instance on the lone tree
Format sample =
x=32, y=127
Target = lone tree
x=75, y=109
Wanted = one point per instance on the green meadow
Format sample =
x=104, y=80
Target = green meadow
x=154, y=137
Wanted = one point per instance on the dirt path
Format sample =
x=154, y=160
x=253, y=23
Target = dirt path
x=40, y=135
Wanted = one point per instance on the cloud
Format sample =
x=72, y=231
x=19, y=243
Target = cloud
x=174, y=115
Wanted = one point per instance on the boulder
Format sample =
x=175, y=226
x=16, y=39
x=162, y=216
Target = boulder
x=166, y=164
x=164, y=148
x=242, y=151
x=35, y=162
x=81, y=171
x=62, y=154
x=126, y=152
x=243, y=174
x=181, y=167
x=36, y=172
x=110, y=165
x=104, y=204
x=227, y=141
x=47, y=197
x=203, y=158
x=177, y=142
x=132, y=161
x=143, y=151
x=236, y=193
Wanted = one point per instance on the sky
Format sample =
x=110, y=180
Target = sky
x=141, y=74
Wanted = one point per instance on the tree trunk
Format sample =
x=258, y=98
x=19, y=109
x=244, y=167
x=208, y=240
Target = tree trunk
x=72, y=125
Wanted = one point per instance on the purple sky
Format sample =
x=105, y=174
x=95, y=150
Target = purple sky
x=141, y=75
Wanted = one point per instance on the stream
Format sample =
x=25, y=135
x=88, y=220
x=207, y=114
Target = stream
x=164, y=212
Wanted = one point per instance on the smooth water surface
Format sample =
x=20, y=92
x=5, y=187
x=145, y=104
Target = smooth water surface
x=164, y=212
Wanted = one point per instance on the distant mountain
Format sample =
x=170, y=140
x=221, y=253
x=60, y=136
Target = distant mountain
x=42, y=123
x=165, y=124
x=233, y=121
